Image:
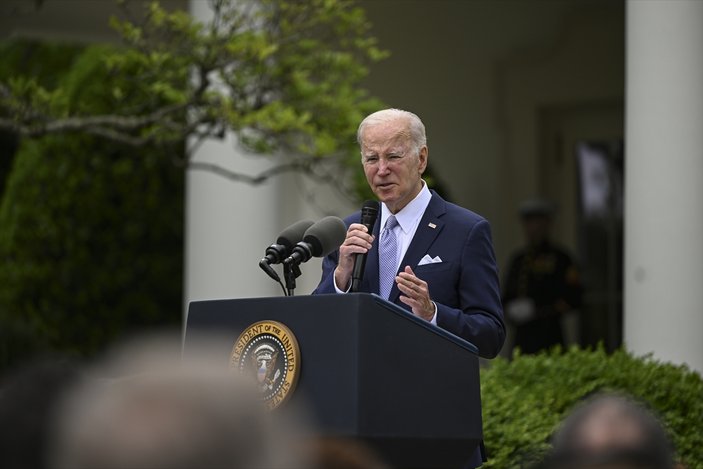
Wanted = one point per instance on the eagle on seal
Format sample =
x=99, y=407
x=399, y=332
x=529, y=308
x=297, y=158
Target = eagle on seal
x=265, y=366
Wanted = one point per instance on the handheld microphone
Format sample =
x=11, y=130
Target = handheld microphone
x=286, y=241
x=369, y=213
x=319, y=240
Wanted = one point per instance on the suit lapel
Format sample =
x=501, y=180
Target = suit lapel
x=427, y=231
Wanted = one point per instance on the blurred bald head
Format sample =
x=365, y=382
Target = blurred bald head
x=612, y=431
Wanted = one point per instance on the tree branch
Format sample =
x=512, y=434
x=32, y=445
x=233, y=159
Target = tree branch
x=266, y=71
x=240, y=177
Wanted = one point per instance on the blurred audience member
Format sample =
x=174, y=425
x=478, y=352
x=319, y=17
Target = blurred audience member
x=28, y=398
x=147, y=408
x=542, y=283
x=614, y=432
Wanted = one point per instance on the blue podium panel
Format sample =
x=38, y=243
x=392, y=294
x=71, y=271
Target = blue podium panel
x=369, y=370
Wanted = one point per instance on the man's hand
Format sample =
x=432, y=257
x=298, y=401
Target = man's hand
x=358, y=241
x=415, y=294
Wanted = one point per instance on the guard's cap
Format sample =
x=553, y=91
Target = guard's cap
x=536, y=206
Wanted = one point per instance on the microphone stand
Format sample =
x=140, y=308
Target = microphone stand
x=291, y=271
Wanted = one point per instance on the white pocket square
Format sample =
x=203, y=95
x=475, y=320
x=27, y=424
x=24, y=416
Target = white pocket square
x=429, y=260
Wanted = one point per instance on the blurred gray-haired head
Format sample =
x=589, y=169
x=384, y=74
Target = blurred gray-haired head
x=614, y=431
x=145, y=407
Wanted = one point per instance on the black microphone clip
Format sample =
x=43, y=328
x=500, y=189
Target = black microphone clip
x=277, y=253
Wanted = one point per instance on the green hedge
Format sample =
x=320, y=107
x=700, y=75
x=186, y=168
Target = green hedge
x=91, y=234
x=525, y=399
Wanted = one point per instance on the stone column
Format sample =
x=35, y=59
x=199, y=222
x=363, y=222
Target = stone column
x=228, y=227
x=228, y=224
x=664, y=180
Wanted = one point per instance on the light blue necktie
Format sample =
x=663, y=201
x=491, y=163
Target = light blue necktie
x=388, y=252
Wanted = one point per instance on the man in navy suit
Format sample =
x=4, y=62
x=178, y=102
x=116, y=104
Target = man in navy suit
x=444, y=261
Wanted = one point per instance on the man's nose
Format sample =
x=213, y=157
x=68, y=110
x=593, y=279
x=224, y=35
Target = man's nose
x=383, y=166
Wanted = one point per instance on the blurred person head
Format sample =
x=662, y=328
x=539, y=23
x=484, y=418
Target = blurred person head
x=611, y=431
x=28, y=400
x=145, y=407
x=536, y=215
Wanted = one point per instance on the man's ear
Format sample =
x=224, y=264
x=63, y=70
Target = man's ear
x=423, y=155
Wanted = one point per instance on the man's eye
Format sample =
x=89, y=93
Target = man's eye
x=371, y=159
x=394, y=157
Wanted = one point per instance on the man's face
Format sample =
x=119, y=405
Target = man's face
x=536, y=228
x=393, y=169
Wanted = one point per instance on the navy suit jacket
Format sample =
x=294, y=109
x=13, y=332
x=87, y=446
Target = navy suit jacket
x=464, y=285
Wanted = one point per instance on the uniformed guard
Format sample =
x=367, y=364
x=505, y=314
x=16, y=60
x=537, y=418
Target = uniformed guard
x=542, y=283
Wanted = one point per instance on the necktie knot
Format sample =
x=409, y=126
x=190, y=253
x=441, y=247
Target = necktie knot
x=391, y=222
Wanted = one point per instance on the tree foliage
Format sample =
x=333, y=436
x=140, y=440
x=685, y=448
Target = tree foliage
x=45, y=63
x=91, y=211
x=284, y=76
x=91, y=215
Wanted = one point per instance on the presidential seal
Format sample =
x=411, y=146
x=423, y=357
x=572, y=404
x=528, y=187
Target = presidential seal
x=268, y=352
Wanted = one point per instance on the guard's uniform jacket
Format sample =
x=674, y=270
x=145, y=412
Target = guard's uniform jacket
x=547, y=275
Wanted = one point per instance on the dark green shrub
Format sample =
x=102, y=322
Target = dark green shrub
x=90, y=247
x=91, y=234
x=524, y=400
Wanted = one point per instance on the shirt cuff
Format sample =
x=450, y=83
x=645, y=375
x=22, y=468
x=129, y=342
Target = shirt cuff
x=434, y=317
x=336, y=288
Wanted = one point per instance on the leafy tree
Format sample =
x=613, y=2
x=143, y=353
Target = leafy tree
x=45, y=63
x=91, y=215
x=282, y=75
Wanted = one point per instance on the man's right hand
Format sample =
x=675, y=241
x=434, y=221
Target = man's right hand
x=358, y=241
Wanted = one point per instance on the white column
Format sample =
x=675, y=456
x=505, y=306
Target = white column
x=664, y=180
x=228, y=227
x=228, y=224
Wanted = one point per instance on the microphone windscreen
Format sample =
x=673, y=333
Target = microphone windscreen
x=369, y=213
x=293, y=234
x=326, y=235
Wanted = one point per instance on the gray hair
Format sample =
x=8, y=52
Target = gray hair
x=611, y=428
x=161, y=410
x=415, y=126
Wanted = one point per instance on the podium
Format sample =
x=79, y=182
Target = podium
x=371, y=371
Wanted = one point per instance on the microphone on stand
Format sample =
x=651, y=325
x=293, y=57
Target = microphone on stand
x=369, y=213
x=286, y=241
x=319, y=240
